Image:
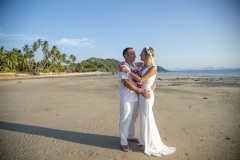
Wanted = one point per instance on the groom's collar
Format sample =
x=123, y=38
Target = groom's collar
x=128, y=65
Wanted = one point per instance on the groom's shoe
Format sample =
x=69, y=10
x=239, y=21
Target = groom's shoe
x=141, y=148
x=126, y=148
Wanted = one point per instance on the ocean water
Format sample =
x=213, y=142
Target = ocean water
x=226, y=72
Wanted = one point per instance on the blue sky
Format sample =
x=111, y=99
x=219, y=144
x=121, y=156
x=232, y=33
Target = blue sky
x=184, y=33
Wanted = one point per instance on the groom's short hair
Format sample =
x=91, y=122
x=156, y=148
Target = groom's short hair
x=125, y=51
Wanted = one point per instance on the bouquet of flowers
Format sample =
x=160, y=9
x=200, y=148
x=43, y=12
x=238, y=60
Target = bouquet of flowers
x=139, y=85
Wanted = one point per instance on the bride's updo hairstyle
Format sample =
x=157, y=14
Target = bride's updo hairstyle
x=149, y=56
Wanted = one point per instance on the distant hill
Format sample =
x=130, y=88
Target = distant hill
x=104, y=65
x=98, y=64
x=161, y=69
x=113, y=62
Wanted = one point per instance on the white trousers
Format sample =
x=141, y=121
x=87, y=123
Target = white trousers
x=128, y=117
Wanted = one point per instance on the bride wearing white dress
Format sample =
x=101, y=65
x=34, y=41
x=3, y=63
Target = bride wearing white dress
x=150, y=141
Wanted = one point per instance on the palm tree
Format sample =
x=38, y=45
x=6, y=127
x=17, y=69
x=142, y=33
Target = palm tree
x=44, y=61
x=18, y=55
x=36, y=46
x=72, y=65
x=3, y=66
x=2, y=50
x=64, y=57
x=26, y=57
x=54, y=56
x=31, y=60
x=45, y=48
x=26, y=48
x=34, y=49
x=73, y=58
x=12, y=58
x=28, y=61
x=61, y=58
x=39, y=43
x=2, y=54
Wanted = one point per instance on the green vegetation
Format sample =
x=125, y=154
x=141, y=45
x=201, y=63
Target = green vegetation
x=39, y=58
x=35, y=59
x=97, y=64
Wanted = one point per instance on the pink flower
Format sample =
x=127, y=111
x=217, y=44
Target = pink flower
x=139, y=85
x=135, y=72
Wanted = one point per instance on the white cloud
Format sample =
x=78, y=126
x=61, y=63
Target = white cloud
x=2, y=35
x=75, y=42
x=20, y=37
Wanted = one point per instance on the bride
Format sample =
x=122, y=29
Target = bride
x=150, y=141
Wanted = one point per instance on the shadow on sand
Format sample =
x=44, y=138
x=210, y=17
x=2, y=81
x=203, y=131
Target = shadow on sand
x=103, y=141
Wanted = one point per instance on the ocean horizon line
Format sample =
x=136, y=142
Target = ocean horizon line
x=222, y=72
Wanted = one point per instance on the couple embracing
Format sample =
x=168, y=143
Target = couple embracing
x=136, y=95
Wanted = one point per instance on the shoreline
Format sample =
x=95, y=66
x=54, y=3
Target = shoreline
x=16, y=76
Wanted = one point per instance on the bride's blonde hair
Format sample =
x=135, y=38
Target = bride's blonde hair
x=149, y=56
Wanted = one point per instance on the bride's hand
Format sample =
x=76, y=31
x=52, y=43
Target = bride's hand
x=124, y=69
x=145, y=93
x=120, y=66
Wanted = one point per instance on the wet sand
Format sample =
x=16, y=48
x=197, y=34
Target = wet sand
x=77, y=118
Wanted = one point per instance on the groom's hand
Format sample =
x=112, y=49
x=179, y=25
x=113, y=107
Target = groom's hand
x=153, y=86
x=145, y=93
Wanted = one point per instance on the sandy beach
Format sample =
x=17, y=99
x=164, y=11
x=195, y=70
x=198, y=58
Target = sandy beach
x=76, y=118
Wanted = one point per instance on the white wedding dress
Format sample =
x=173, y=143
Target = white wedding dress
x=149, y=135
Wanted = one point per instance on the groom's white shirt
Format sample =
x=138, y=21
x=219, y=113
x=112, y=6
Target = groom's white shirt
x=127, y=95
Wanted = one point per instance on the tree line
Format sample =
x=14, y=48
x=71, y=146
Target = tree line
x=40, y=58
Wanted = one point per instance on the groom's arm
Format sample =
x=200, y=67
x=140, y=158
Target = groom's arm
x=145, y=93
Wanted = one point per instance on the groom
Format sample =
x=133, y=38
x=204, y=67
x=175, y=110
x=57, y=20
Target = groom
x=129, y=100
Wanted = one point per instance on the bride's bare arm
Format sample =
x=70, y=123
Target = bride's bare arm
x=145, y=77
